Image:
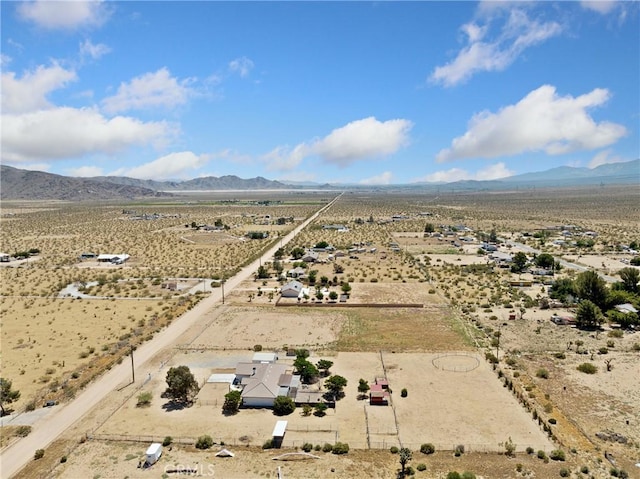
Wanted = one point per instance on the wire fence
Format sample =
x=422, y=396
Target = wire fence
x=457, y=362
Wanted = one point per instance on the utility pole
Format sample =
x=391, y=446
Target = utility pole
x=222, y=286
x=133, y=372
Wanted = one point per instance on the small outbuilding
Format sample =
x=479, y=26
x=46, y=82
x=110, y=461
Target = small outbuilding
x=153, y=453
x=278, y=433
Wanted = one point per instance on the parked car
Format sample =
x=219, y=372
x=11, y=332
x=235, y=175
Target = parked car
x=50, y=404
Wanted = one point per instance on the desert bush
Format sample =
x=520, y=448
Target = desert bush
x=404, y=393
x=427, y=448
x=468, y=475
x=557, y=455
x=587, y=368
x=39, y=454
x=459, y=450
x=421, y=467
x=167, y=441
x=454, y=475
x=542, y=454
x=529, y=450
x=552, y=420
x=204, y=442
x=307, y=447
x=144, y=399
x=584, y=470
x=268, y=444
x=340, y=448
x=327, y=447
x=615, y=333
x=542, y=373
x=23, y=431
x=31, y=406
x=63, y=459
x=560, y=356
x=564, y=472
x=394, y=450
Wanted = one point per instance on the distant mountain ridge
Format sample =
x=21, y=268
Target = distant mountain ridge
x=16, y=184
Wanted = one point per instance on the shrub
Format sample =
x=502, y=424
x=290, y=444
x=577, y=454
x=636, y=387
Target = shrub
x=404, y=393
x=427, y=448
x=542, y=454
x=560, y=356
x=603, y=350
x=552, y=420
x=459, y=449
x=529, y=450
x=167, y=441
x=542, y=373
x=454, y=475
x=204, y=442
x=283, y=406
x=327, y=447
x=268, y=444
x=584, y=470
x=31, y=406
x=394, y=450
x=39, y=454
x=23, y=431
x=615, y=333
x=409, y=471
x=63, y=459
x=257, y=347
x=557, y=455
x=587, y=368
x=421, y=467
x=144, y=399
x=307, y=447
x=340, y=448
x=468, y=475
x=564, y=472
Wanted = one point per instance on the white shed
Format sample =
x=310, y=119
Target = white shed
x=153, y=453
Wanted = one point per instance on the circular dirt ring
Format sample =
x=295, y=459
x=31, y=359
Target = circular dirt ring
x=457, y=363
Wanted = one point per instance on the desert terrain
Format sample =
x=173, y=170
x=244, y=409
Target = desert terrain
x=422, y=311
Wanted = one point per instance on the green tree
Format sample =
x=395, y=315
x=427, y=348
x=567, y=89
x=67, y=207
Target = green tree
x=322, y=244
x=305, y=368
x=324, y=365
x=232, y=401
x=519, y=262
x=320, y=409
x=545, y=260
x=297, y=252
x=335, y=384
x=333, y=295
x=562, y=289
x=592, y=287
x=493, y=236
x=283, y=406
x=588, y=315
x=429, y=228
x=630, y=278
x=405, y=456
x=279, y=254
x=313, y=275
x=363, y=387
x=181, y=384
x=346, y=288
x=7, y=395
x=262, y=273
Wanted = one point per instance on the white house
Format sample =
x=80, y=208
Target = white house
x=291, y=290
x=262, y=383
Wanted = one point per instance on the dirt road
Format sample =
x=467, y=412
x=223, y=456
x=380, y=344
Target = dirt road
x=14, y=457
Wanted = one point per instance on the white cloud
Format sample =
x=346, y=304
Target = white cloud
x=154, y=89
x=5, y=60
x=491, y=172
x=600, y=6
x=94, y=51
x=381, y=179
x=605, y=157
x=69, y=133
x=85, y=171
x=541, y=121
x=359, y=140
x=241, y=66
x=29, y=93
x=482, y=53
x=173, y=166
x=64, y=15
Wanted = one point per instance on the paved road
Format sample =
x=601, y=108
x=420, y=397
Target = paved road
x=44, y=432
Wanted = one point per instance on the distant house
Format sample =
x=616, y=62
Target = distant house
x=296, y=272
x=262, y=383
x=4, y=257
x=336, y=227
x=310, y=257
x=113, y=258
x=292, y=289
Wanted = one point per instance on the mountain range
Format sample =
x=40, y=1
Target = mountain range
x=17, y=184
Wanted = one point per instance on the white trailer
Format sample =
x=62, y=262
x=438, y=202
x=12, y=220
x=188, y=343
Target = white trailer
x=153, y=453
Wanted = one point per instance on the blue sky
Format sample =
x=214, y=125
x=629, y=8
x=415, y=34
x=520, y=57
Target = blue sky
x=339, y=92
